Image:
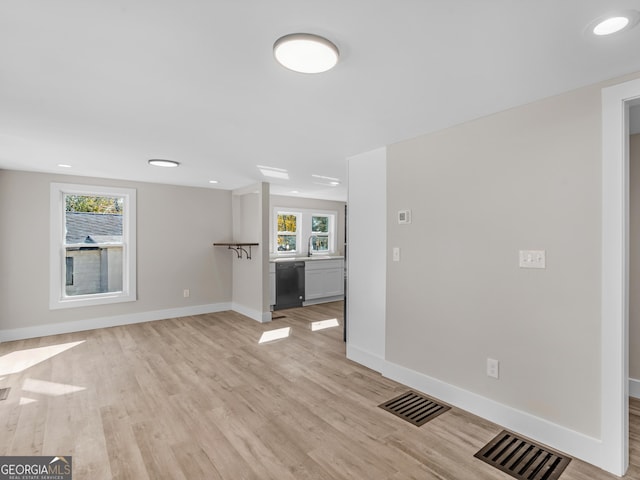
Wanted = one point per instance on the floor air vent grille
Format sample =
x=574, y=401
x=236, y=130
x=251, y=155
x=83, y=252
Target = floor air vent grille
x=523, y=459
x=415, y=407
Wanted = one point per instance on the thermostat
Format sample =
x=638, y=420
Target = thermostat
x=404, y=216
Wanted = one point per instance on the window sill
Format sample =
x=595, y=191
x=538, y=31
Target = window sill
x=90, y=301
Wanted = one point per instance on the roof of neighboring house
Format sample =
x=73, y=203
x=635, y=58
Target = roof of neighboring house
x=85, y=227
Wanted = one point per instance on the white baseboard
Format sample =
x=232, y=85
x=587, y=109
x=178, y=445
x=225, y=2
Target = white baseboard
x=634, y=388
x=335, y=298
x=262, y=317
x=105, y=322
x=561, y=438
x=366, y=358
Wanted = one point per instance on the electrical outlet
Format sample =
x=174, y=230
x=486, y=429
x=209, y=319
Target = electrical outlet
x=186, y=293
x=493, y=368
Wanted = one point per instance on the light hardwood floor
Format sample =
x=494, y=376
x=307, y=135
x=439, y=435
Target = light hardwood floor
x=200, y=398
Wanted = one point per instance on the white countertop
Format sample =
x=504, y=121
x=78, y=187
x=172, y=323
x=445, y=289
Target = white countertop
x=305, y=258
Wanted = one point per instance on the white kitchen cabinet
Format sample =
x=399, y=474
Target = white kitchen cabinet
x=324, y=280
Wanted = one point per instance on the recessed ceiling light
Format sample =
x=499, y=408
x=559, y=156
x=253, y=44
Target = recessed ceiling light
x=156, y=162
x=64, y=165
x=213, y=181
x=335, y=184
x=306, y=53
x=294, y=191
x=614, y=23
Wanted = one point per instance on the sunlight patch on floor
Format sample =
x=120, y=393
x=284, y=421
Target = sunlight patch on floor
x=49, y=388
x=16, y=362
x=322, y=324
x=276, y=334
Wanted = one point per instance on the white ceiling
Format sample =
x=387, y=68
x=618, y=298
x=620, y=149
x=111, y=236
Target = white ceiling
x=106, y=85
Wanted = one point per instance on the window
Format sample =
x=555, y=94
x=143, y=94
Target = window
x=92, y=245
x=320, y=233
x=287, y=232
x=301, y=231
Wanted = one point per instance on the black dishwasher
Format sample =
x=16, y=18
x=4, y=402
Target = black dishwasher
x=289, y=285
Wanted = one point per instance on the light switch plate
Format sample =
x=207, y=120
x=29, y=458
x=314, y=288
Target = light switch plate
x=533, y=259
x=396, y=254
x=493, y=368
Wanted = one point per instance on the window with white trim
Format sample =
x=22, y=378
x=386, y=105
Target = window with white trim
x=93, y=239
x=302, y=231
x=287, y=233
x=321, y=233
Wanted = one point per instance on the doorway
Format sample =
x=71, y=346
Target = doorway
x=634, y=250
x=616, y=101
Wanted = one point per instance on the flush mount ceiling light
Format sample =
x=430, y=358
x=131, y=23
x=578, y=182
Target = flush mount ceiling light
x=614, y=23
x=156, y=162
x=306, y=53
x=610, y=25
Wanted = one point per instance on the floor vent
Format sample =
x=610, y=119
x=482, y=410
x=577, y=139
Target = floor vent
x=414, y=407
x=4, y=393
x=523, y=459
x=277, y=317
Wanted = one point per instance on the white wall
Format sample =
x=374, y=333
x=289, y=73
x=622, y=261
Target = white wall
x=527, y=178
x=250, y=277
x=366, y=258
x=176, y=229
